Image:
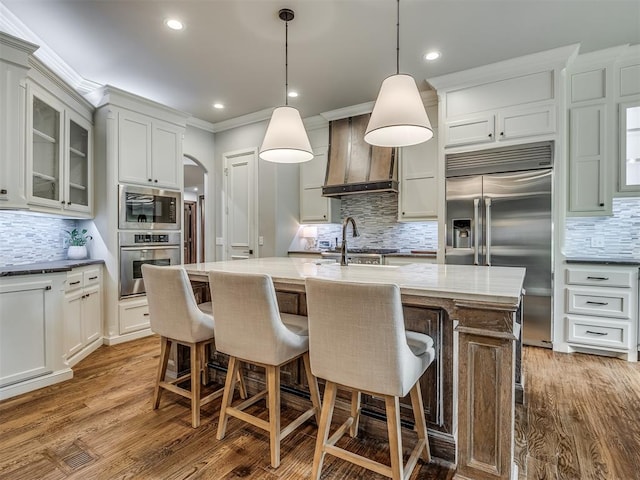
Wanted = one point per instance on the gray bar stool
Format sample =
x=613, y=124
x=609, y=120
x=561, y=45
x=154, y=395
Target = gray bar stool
x=249, y=328
x=175, y=316
x=357, y=341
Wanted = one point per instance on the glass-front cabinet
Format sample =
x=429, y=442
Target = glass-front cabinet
x=630, y=147
x=59, y=165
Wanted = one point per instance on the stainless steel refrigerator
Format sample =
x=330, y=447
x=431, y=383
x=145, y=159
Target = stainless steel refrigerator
x=504, y=219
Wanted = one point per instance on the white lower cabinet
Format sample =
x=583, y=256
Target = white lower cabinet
x=82, y=313
x=31, y=333
x=601, y=309
x=134, y=315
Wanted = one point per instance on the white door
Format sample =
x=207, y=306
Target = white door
x=240, y=208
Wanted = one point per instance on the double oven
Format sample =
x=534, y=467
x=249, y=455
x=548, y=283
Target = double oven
x=149, y=220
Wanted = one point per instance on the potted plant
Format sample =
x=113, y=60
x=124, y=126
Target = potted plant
x=78, y=243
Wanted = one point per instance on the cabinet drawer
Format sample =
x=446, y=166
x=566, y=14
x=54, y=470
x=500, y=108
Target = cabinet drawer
x=600, y=333
x=91, y=277
x=603, y=302
x=604, y=277
x=134, y=316
x=74, y=281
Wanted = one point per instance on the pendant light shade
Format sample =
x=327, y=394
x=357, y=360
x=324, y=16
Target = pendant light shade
x=399, y=118
x=286, y=140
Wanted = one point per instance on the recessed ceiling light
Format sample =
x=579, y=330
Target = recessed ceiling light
x=293, y=94
x=432, y=56
x=174, y=24
x=219, y=106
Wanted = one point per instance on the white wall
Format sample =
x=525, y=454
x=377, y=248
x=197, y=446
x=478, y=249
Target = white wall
x=200, y=145
x=278, y=186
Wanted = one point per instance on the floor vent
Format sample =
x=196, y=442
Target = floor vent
x=73, y=458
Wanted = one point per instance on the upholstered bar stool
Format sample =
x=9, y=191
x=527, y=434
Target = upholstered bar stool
x=357, y=341
x=175, y=316
x=249, y=328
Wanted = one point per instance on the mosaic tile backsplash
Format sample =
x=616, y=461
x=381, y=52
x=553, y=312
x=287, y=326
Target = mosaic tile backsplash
x=26, y=238
x=376, y=216
x=621, y=232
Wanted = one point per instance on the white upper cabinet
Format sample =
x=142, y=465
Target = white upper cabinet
x=418, y=197
x=59, y=160
x=628, y=99
x=14, y=65
x=149, y=151
x=510, y=102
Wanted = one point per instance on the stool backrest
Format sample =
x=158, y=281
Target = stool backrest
x=357, y=335
x=173, y=310
x=248, y=322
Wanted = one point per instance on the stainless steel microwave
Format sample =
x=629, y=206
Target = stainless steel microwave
x=143, y=208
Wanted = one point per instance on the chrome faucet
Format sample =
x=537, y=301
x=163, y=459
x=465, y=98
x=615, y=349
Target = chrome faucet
x=343, y=250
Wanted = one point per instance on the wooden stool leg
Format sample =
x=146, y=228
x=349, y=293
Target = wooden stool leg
x=227, y=396
x=196, y=350
x=241, y=386
x=420, y=423
x=395, y=436
x=313, y=387
x=165, y=347
x=355, y=413
x=328, y=403
x=273, y=389
x=203, y=360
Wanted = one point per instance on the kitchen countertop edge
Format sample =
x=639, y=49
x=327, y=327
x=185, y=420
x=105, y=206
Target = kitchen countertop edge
x=395, y=254
x=46, y=267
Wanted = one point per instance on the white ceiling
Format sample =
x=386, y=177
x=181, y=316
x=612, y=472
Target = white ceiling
x=232, y=51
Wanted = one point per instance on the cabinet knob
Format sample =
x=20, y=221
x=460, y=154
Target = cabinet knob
x=324, y=216
x=490, y=135
x=502, y=134
x=3, y=191
x=403, y=213
x=151, y=179
x=156, y=180
x=68, y=203
x=62, y=202
x=602, y=204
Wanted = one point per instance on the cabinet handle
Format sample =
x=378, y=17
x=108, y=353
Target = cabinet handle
x=68, y=203
x=490, y=135
x=74, y=283
x=597, y=278
x=597, y=303
x=151, y=179
x=92, y=278
x=602, y=204
x=3, y=191
x=62, y=202
x=145, y=314
x=590, y=332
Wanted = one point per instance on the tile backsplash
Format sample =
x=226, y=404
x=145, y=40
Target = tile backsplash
x=26, y=238
x=620, y=233
x=376, y=215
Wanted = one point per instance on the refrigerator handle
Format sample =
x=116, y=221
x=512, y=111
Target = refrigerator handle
x=476, y=204
x=487, y=203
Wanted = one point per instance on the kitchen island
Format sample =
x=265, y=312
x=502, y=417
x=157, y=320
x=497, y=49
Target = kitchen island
x=470, y=312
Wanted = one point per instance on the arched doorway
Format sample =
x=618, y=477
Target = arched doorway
x=195, y=176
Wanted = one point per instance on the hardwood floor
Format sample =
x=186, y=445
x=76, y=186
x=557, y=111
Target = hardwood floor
x=581, y=421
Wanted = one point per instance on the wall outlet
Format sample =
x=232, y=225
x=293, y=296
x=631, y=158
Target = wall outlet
x=597, y=242
x=261, y=240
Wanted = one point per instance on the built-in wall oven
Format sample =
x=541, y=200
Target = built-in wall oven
x=143, y=208
x=138, y=248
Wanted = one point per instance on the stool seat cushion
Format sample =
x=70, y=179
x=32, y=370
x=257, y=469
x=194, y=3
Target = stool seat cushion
x=296, y=323
x=206, y=307
x=419, y=343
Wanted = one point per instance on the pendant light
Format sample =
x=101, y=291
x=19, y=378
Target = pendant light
x=286, y=140
x=398, y=118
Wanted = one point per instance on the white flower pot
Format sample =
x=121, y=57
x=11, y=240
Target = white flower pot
x=77, y=252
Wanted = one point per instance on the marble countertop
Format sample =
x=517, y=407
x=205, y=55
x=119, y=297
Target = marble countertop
x=46, y=267
x=605, y=261
x=401, y=253
x=491, y=284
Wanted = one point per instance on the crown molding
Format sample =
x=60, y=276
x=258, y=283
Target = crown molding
x=554, y=58
x=351, y=111
x=201, y=124
x=243, y=120
x=315, y=122
x=14, y=26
